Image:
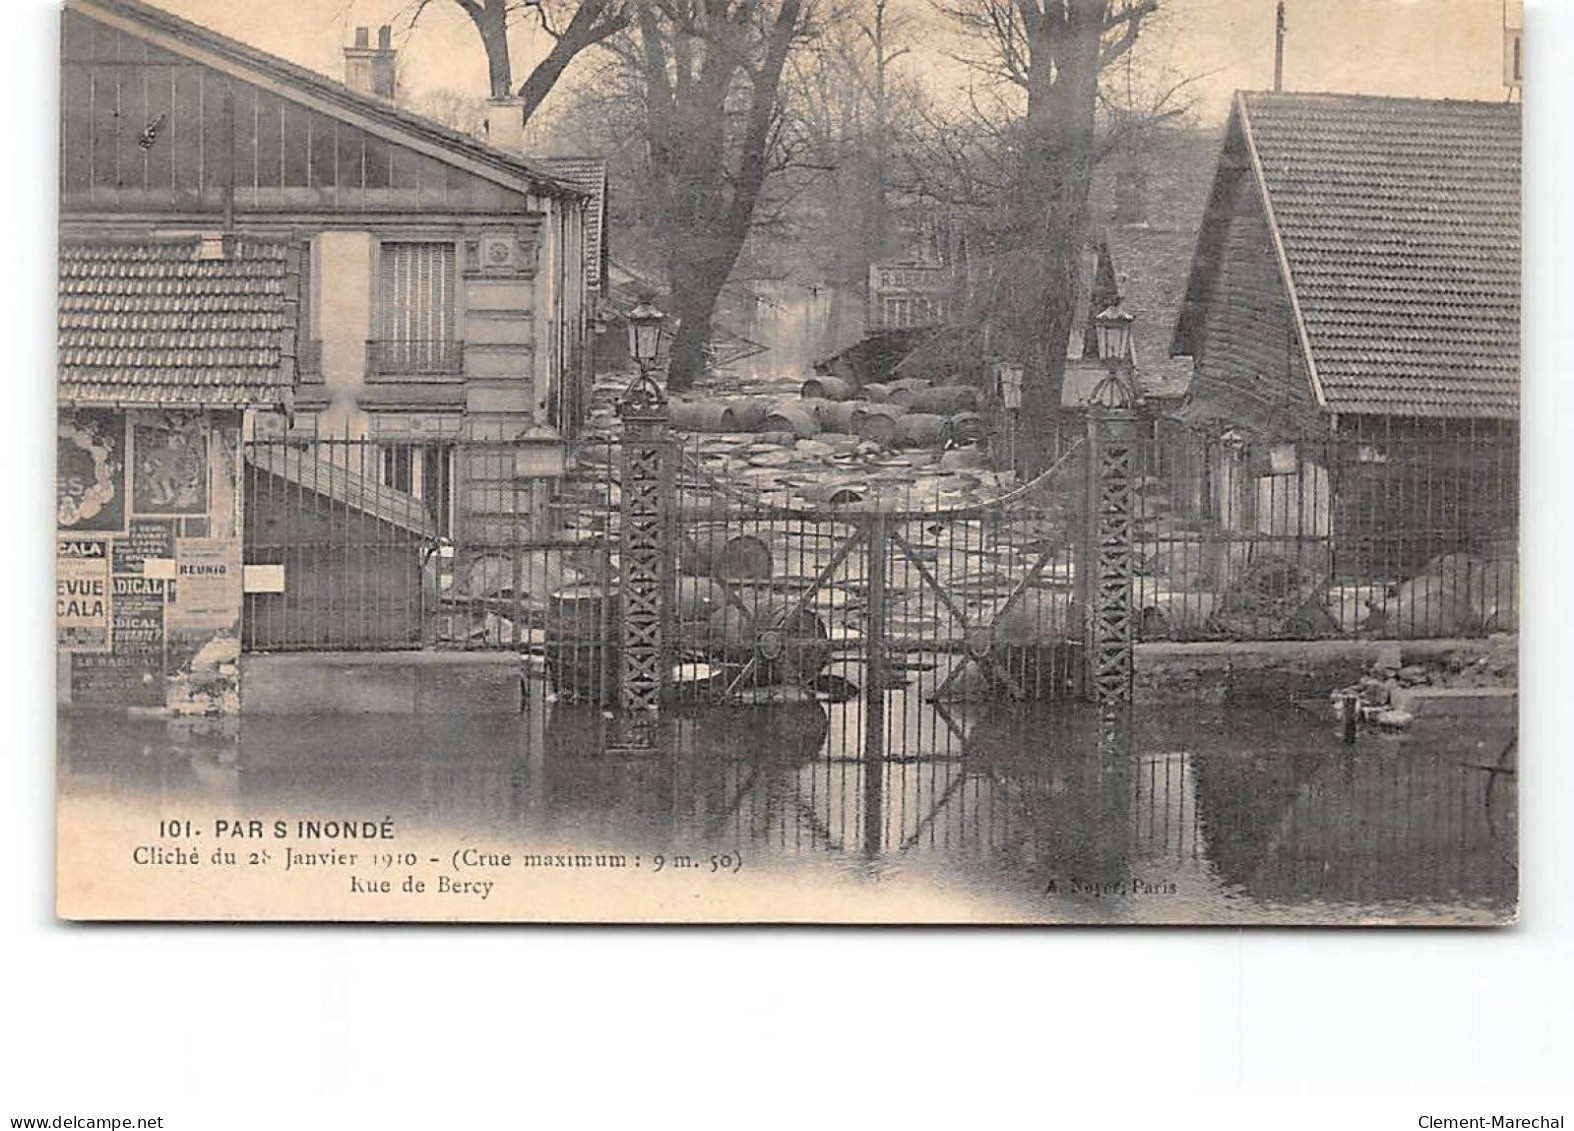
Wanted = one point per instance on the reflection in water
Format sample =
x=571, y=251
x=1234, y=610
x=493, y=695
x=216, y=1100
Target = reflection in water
x=1230, y=814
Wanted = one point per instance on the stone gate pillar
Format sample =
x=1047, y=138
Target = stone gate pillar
x=1111, y=635
x=643, y=550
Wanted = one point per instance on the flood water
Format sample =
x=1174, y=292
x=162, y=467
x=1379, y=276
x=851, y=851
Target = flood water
x=1045, y=812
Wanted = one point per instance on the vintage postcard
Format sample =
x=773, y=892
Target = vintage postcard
x=830, y=461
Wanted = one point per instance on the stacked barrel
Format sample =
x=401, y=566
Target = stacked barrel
x=907, y=413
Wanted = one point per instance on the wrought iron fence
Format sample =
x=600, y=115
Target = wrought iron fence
x=1392, y=530
x=441, y=544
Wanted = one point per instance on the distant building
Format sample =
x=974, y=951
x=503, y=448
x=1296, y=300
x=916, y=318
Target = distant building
x=905, y=294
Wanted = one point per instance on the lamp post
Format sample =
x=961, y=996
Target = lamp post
x=645, y=580
x=1109, y=547
x=1008, y=375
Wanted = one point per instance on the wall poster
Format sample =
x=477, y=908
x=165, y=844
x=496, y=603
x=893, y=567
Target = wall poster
x=132, y=673
x=171, y=464
x=82, y=619
x=90, y=470
x=144, y=539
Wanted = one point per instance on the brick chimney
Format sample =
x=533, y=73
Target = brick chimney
x=372, y=70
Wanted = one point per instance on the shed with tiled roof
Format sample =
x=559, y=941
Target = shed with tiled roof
x=1359, y=256
x=177, y=323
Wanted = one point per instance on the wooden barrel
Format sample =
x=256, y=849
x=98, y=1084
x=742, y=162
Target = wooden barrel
x=718, y=553
x=837, y=416
x=787, y=647
x=968, y=428
x=800, y=421
x=744, y=415
x=902, y=391
x=920, y=430
x=947, y=400
x=580, y=621
x=835, y=494
x=875, y=393
x=697, y=600
x=828, y=388
x=696, y=416
x=877, y=422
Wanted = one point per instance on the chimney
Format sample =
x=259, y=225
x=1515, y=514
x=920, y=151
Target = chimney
x=372, y=70
x=505, y=124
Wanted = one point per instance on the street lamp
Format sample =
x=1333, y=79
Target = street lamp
x=1112, y=330
x=1112, y=326
x=644, y=328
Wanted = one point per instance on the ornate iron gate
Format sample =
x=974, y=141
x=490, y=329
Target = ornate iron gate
x=933, y=594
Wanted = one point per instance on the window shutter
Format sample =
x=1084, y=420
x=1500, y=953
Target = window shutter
x=418, y=292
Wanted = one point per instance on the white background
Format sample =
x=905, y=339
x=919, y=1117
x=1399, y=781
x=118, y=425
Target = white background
x=393, y=1027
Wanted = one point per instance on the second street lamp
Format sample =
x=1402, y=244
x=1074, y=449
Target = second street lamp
x=644, y=329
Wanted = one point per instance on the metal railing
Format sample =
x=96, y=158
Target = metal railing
x=384, y=545
x=419, y=357
x=1385, y=530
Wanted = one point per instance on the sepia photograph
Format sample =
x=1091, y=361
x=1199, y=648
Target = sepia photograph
x=789, y=461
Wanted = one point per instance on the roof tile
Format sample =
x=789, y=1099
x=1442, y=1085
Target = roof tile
x=150, y=323
x=1400, y=219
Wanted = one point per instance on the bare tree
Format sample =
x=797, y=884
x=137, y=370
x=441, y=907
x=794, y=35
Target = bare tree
x=1048, y=54
x=711, y=72
x=572, y=25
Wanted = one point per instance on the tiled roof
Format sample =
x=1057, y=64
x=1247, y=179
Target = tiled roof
x=1400, y=221
x=150, y=323
x=590, y=174
x=243, y=54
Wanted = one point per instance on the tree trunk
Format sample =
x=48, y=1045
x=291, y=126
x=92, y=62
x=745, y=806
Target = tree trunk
x=491, y=21
x=694, y=304
x=1058, y=157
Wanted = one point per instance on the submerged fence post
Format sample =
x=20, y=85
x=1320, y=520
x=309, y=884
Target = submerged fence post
x=1112, y=441
x=646, y=484
x=875, y=681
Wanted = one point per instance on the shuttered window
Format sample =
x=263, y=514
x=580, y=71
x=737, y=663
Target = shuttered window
x=417, y=302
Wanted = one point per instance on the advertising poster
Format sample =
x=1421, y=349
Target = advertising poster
x=208, y=589
x=143, y=540
x=171, y=457
x=132, y=673
x=82, y=594
x=90, y=470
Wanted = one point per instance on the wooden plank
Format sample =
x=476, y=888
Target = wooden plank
x=132, y=161
x=76, y=129
x=245, y=136
x=184, y=133
x=104, y=105
x=270, y=145
x=324, y=152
